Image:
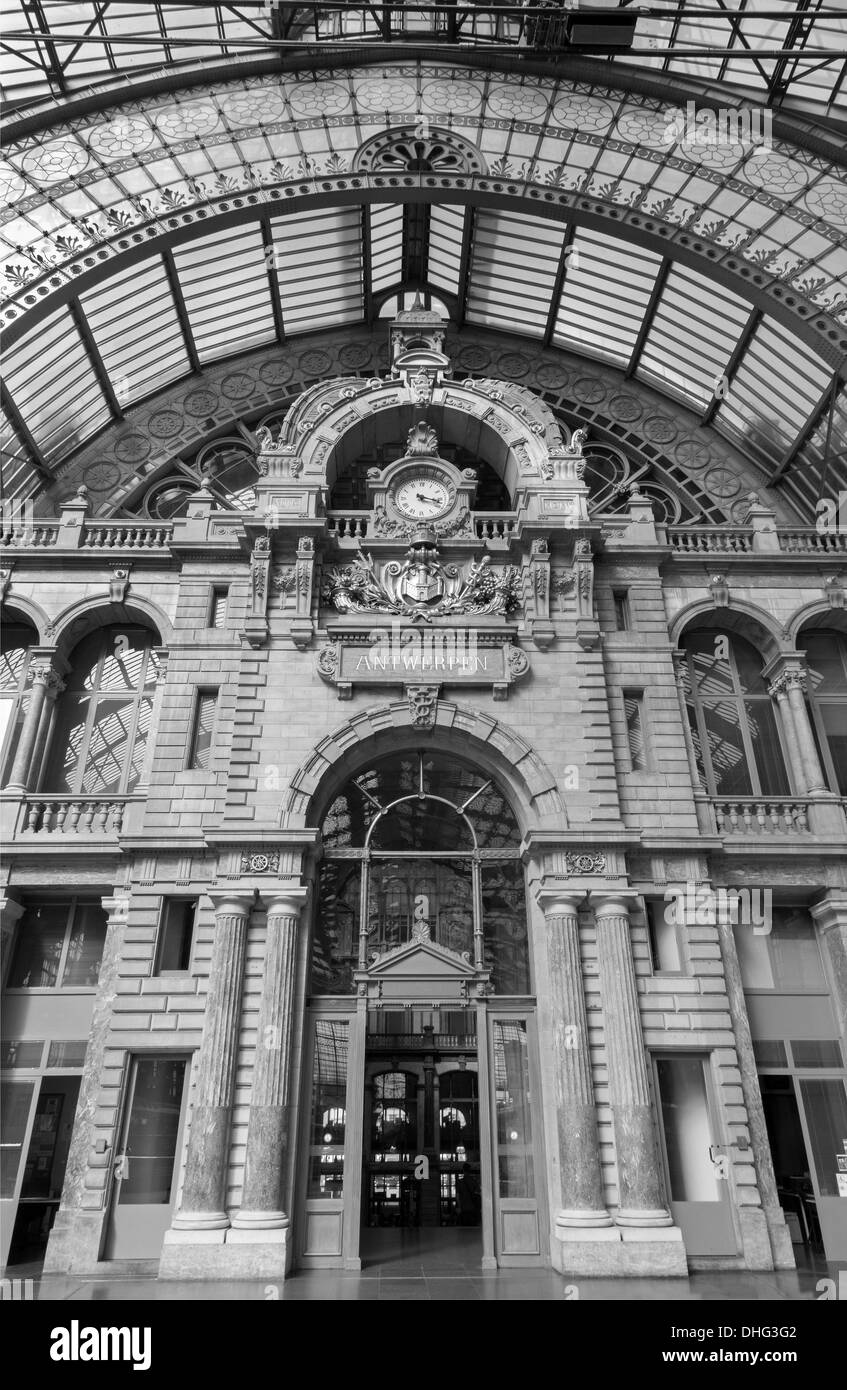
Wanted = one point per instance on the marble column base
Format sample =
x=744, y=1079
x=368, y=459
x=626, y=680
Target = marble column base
x=639, y=1219
x=659, y=1252
x=230, y=1254
x=198, y=1221
x=583, y=1220
x=268, y=1221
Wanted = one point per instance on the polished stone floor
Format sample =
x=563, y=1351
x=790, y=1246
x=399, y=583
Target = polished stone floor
x=414, y=1266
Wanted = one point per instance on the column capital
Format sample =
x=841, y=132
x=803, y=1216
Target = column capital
x=614, y=902
x=786, y=679
x=558, y=899
x=831, y=910
x=283, y=902
x=232, y=901
x=117, y=907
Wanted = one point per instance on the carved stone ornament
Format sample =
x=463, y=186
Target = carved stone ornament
x=593, y=862
x=422, y=441
x=387, y=527
x=259, y=862
x=422, y=584
x=423, y=705
x=118, y=585
x=5, y=582
x=833, y=588
x=719, y=589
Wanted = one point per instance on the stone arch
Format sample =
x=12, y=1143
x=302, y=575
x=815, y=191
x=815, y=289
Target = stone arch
x=746, y=619
x=507, y=425
x=90, y=613
x=29, y=612
x=493, y=745
x=819, y=614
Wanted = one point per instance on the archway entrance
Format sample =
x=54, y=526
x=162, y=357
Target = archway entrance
x=421, y=1035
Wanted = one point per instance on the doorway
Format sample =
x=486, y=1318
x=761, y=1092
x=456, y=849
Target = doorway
x=44, y=1168
x=421, y=1172
x=696, y=1165
x=808, y=1116
x=146, y=1167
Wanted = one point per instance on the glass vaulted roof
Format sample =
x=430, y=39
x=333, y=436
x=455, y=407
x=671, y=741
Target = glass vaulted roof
x=149, y=239
x=786, y=50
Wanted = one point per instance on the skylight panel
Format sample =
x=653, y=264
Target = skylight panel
x=446, y=232
x=606, y=291
x=696, y=326
x=54, y=386
x=318, y=261
x=386, y=245
x=225, y=286
x=135, y=326
x=513, y=271
x=777, y=385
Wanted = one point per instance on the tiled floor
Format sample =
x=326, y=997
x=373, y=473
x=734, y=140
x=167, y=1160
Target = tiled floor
x=409, y=1266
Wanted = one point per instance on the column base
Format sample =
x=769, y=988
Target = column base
x=230, y=1254
x=581, y=1220
x=639, y=1219
x=267, y=1221
x=192, y=1222
x=620, y=1253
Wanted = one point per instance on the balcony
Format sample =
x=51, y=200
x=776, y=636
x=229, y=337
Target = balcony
x=751, y=540
x=61, y=819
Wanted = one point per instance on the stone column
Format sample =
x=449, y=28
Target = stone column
x=583, y=1202
x=830, y=919
x=812, y=770
x=778, y=691
x=45, y=731
x=262, y=1217
x=11, y=912
x=778, y=1234
x=44, y=678
x=202, y=1212
x=640, y=1197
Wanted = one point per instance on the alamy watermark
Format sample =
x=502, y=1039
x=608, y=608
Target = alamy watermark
x=698, y=905
x=722, y=126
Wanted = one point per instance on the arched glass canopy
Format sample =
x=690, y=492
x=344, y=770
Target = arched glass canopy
x=421, y=844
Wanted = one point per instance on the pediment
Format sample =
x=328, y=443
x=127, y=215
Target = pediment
x=421, y=960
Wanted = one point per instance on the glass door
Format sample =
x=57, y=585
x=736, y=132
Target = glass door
x=696, y=1166
x=518, y=1167
x=146, y=1167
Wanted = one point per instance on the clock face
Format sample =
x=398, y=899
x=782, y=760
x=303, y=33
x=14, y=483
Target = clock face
x=422, y=498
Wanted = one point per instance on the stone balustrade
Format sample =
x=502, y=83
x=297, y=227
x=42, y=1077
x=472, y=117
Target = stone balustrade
x=37, y=534
x=71, y=815
x=120, y=535
x=710, y=540
x=347, y=525
x=771, y=815
x=493, y=526
x=805, y=540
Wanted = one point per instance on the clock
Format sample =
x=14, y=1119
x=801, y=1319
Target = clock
x=423, y=497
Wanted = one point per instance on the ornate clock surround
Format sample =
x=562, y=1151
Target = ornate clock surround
x=423, y=461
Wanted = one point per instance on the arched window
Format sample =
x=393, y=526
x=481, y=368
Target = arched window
x=420, y=840
x=16, y=639
x=103, y=721
x=826, y=658
x=732, y=718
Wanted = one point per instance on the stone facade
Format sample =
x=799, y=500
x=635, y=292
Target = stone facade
x=607, y=826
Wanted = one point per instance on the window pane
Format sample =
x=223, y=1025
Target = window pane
x=109, y=746
x=85, y=948
x=825, y=1103
x=688, y=1131
x=329, y=1110
x=39, y=948
x=421, y=825
x=204, y=726
x=633, y=705
x=150, y=1147
x=512, y=1100
x=664, y=942
x=826, y=658
x=437, y=894
x=761, y=721
x=817, y=1054
x=505, y=944
x=726, y=746
x=175, y=934
x=335, y=942
x=16, y=1100
x=834, y=720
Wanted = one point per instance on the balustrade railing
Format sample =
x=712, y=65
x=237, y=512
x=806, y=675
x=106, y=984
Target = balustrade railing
x=36, y=533
x=349, y=525
x=710, y=540
x=72, y=815
x=761, y=816
x=120, y=535
x=805, y=540
x=495, y=526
